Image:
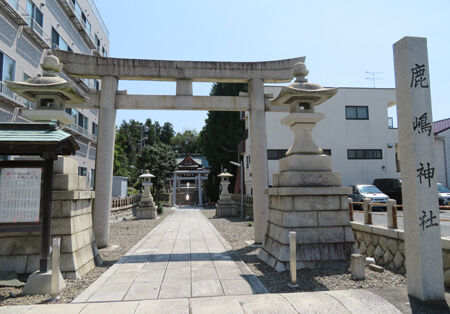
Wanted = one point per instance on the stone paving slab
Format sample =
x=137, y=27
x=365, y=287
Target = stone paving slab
x=184, y=256
x=343, y=301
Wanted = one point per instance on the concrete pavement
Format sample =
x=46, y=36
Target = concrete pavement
x=340, y=301
x=183, y=257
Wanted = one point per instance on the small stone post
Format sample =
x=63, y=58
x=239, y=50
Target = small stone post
x=55, y=288
x=423, y=247
x=391, y=213
x=367, y=213
x=293, y=258
x=357, y=267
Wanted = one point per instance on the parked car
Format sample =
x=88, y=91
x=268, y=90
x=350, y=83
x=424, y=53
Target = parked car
x=443, y=194
x=362, y=191
x=391, y=187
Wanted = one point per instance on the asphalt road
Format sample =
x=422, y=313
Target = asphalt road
x=380, y=218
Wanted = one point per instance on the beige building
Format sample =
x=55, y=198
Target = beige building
x=31, y=27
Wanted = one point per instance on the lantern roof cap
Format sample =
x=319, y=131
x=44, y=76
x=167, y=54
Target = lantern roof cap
x=50, y=83
x=301, y=91
x=225, y=174
x=147, y=174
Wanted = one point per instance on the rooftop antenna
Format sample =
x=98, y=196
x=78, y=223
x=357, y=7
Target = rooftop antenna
x=373, y=76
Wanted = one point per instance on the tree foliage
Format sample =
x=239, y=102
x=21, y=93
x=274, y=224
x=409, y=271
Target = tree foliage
x=220, y=137
x=186, y=142
x=160, y=160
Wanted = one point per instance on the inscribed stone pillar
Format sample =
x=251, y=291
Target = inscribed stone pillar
x=105, y=159
x=423, y=246
x=258, y=153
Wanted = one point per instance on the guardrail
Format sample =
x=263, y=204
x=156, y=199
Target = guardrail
x=391, y=210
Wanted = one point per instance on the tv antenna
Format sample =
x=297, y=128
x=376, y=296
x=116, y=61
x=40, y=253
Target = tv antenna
x=373, y=76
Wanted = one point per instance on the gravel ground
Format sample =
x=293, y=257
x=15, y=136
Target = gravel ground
x=333, y=276
x=123, y=236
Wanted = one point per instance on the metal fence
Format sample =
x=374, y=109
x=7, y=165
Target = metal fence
x=391, y=209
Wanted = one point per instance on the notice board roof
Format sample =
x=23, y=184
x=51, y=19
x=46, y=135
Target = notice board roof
x=35, y=139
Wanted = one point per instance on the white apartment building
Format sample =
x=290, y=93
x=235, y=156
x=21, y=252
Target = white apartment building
x=356, y=132
x=28, y=28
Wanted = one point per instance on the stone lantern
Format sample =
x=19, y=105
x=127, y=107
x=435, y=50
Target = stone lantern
x=306, y=196
x=224, y=206
x=50, y=92
x=146, y=208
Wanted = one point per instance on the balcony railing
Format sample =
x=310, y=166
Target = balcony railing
x=15, y=10
x=77, y=19
x=83, y=132
x=37, y=33
x=12, y=98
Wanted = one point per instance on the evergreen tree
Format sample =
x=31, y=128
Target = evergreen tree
x=220, y=137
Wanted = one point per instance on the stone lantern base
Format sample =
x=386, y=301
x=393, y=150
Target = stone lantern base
x=146, y=209
x=312, y=203
x=224, y=206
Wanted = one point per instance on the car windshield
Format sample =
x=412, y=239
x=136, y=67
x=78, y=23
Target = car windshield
x=369, y=189
x=443, y=189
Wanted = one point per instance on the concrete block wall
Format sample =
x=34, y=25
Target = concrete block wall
x=387, y=247
x=71, y=221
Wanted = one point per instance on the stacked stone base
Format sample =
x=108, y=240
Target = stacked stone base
x=319, y=216
x=146, y=209
x=225, y=207
x=71, y=221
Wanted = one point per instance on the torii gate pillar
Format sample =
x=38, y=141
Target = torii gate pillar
x=258, y=148
x=105, y=159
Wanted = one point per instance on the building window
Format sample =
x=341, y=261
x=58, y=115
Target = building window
x=97, y=41
x=96, y=84
x=104, y=52
x=247, y=161
x=364, y=154
x=276, y=154
x=326, y=151
x=94, y=128
x=82, y=171
x=82, y=121
x=7, y=67
x=58, y=42
x=357, y=112
x=35, y=14
x=92, y=178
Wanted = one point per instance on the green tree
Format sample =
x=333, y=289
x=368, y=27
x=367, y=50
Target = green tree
x=220, y=137
x=160, y=160
x=186, y=142
x=167, y=133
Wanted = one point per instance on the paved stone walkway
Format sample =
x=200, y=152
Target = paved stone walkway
x=182, y=257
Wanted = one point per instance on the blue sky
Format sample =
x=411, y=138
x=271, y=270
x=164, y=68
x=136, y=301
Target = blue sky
x=341, y=40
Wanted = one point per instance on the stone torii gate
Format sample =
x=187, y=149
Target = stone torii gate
x=109, y=99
